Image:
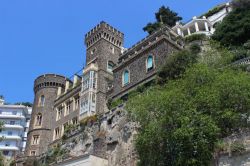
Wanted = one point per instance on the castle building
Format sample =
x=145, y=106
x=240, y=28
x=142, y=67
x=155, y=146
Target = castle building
x=110, y=72
x=139, y=64
x=66, y=107
x=104, y=45
x=40, y=133
x=15, y=119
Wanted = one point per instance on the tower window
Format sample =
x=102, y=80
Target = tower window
x=42, y=100
x=126, y=78
x=57, y=133
x=110, y=66
x=33, y=153
x=93, y=51
x=150, y=63
x=35, y=139
x=38, y=119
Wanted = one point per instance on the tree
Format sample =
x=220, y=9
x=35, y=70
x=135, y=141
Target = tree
x=164, y=16
x=234, y=29
x=28, y=104
x=176, y=65
x=182, y=121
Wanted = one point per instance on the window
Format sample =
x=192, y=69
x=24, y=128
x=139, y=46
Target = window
x=14, y=112
x=57, y=133
x=9, y=132
x=74, y=121
x=94, y=79
x=110, y=66
x=93, y=51
x=65, y=126
x=125, y=77
x=67, y=109
x=12, y=122
x=42, y=101
x=33, y=153
x=150, y=63
x=7, y=144
x=84, y=105
x=35, y=140
x=38, y=121
x=76, y=104
x=59, y=112
x=112, y=49
x=93, y=98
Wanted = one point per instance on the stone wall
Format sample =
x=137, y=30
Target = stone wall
x=111, y=138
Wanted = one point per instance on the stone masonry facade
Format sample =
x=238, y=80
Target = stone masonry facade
x=60, y=102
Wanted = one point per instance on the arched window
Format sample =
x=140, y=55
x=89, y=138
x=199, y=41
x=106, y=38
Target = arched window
x=42, y=100
x=150, y=63
x=110, y=66
x=125, y=77
x=38, y=120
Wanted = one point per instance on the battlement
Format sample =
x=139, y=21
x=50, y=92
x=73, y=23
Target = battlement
x=104, y=31
x=49, y=80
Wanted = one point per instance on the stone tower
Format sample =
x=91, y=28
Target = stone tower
x=40, y=135
x=104, y=45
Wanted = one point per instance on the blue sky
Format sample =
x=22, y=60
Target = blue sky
x=46, y=36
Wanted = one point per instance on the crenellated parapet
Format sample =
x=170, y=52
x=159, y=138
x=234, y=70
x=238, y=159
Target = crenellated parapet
x=104, y=31
x=49, y=80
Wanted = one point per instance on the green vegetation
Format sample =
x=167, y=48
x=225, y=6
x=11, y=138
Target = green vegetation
x=90, y=119
x=164, y=16
x=184, y=118
x=54, y=153
x=213, y=11
x=238, y=148
x=28, y=104
x=176, y=65
x=234, y=29
x=194, y=37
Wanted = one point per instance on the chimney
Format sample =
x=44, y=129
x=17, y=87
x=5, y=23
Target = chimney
x=76, y=80
x=66, y=86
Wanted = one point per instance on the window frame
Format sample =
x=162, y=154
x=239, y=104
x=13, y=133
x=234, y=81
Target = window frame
x=123, y=78
x=35, y=140
x=153, y=63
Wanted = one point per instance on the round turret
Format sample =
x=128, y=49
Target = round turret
x=39, y=135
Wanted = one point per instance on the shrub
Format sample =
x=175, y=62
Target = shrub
x=176, y=65
x=194, y=37
x=213, y=11
x=238, y=148
x=90, y=119
x=114, y=103
x=234, y=29
x=195, y=48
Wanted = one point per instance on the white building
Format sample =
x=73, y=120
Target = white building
x=203, y=25
x=15, y=119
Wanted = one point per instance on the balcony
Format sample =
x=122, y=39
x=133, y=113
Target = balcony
x=13, y=126
x=14, y=148
x=10, y=137
x=11, y=116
